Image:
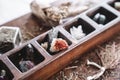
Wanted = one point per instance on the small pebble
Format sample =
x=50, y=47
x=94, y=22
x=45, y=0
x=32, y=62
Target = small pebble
x=52, y=34
x=2, y=75
x=102, y=19
x=96, y=17
x=41, y=29
x=117, y=5
x=99, y=18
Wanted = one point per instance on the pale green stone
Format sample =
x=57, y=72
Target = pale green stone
x=102, y=19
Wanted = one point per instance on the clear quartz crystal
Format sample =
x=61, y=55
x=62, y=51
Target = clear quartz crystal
x=77, y=33
x=53, y=34
x=9, y=34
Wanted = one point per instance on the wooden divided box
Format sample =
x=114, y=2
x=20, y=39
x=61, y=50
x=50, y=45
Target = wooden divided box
x=47, y=63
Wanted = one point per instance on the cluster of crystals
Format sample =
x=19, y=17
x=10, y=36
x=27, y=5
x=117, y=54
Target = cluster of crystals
x=77, y=32
x=27, y=63
x=54, y=43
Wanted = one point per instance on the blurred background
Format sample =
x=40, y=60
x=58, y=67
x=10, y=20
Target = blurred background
x=11, y=9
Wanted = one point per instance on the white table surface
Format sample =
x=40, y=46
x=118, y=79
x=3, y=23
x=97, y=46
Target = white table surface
x=11, y=9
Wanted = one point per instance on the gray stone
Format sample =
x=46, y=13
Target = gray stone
x=10, y=37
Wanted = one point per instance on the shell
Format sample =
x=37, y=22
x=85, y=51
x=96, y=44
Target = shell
x=102, y=19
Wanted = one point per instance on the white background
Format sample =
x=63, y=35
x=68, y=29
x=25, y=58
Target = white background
x=11, y=9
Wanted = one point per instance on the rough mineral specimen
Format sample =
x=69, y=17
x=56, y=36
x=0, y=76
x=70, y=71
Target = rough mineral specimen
x=52, y=34
x=9, y=38
x=56, y=13
x=45, y=11
x=26, y=65
x=58, y=44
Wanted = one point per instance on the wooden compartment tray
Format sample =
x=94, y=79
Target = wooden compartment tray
x=47, y=64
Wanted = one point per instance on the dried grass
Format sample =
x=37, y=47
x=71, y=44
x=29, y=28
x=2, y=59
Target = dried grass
x=110, y=55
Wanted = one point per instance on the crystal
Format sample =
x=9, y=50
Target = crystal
x=29, y=52
x=77, y=33
x=26, y=65
x=53, y=34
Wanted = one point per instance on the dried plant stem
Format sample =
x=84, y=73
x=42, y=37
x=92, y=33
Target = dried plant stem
x=96, y=76
x=71, y=76
x=109, y=55
x=57, y=79
x=76, y=76
x=72, y=67
x=63, y=76
x=94, y=64
x=30, y=34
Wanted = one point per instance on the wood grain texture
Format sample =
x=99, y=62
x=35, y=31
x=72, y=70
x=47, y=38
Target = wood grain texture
x=63, y=61
x=34, y=29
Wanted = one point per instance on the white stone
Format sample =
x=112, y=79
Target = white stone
x=117, y=5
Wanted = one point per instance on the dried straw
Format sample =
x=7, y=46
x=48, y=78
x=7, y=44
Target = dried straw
x=110, y=55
